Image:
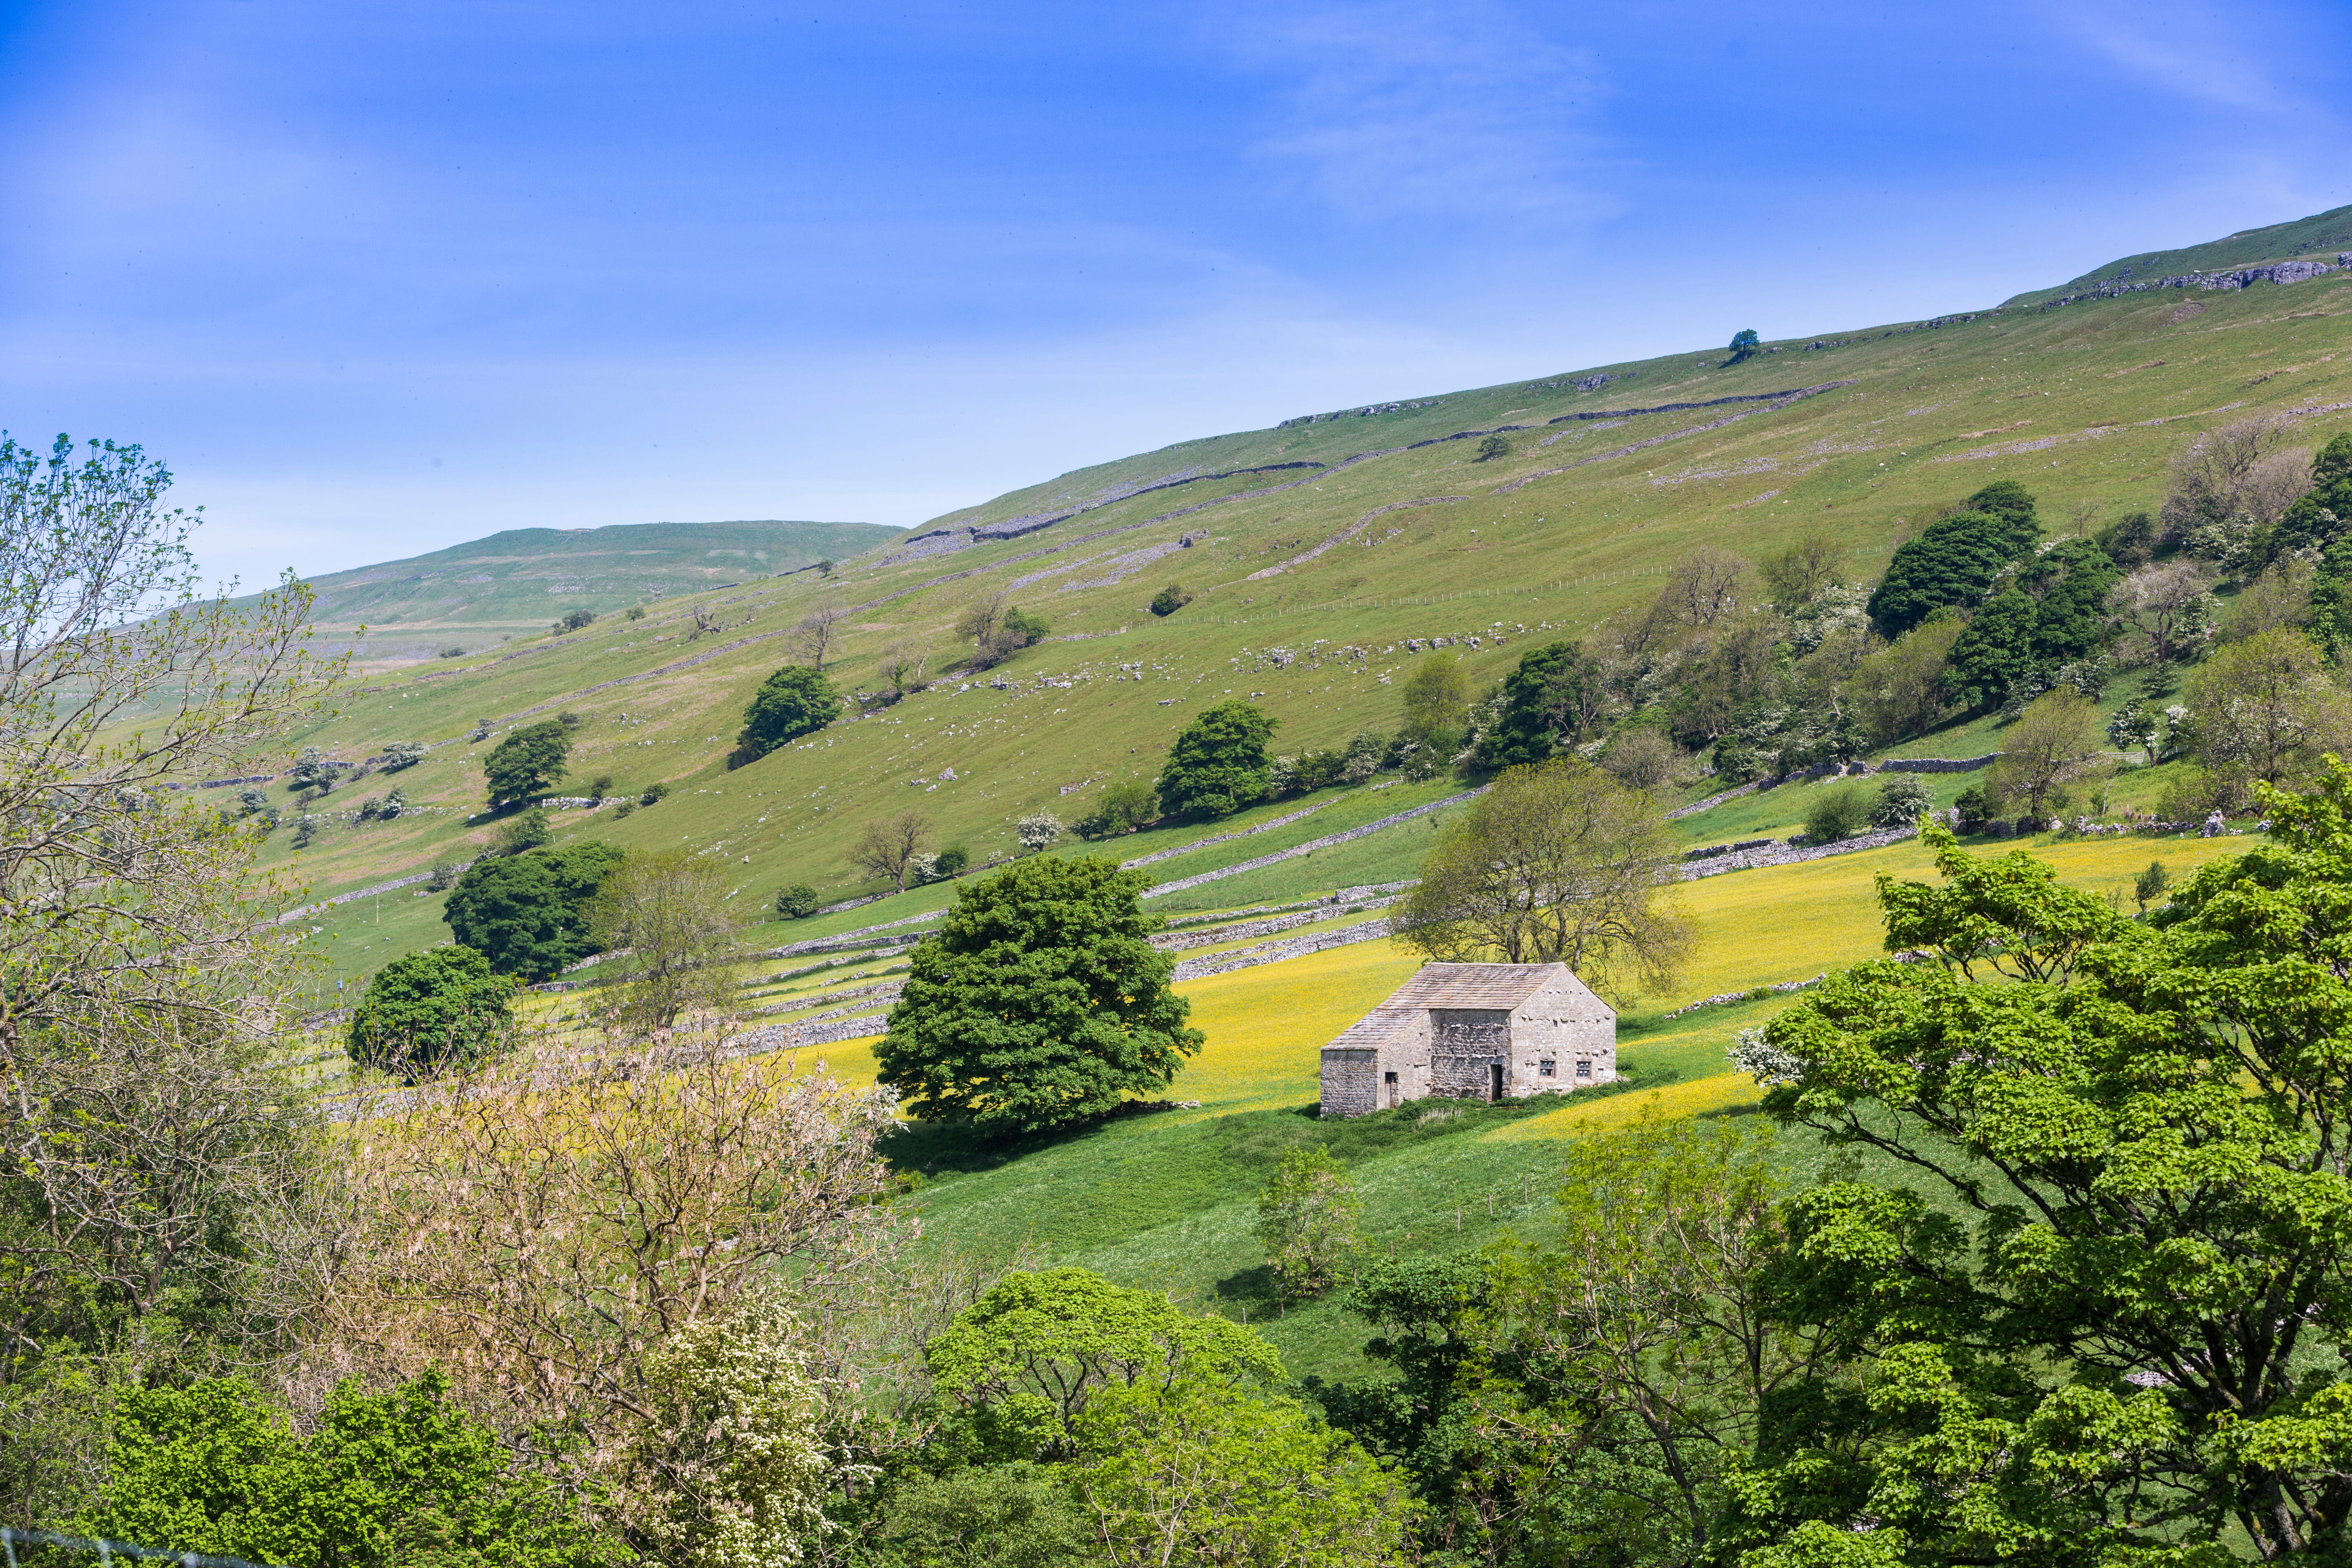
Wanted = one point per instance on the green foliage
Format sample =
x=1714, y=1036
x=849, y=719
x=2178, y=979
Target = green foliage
x=1169, y=600
x=402, y=754
x=2151, y=885
x=1493, y=446
x=797, y=901
x=1436, y=701
x=527, y=763
x=525, y=914
x=654, y=793
x=634, y=612
x=1838, y=812
x=1017, y=1515
x=1022, y=629
x=522, y=832
x=793, y=702
x=1040, y=1003
x=1308, y=1215
x=2166, y=1202
x=1219, y=765
x=1744, y=344
x=1024, y=1360
x=400, y=1477
x=950, y=862
x=576, y=620
x=1554, y=698
x=1956, y=559
x=311, y=770
x=2056, y=612
x=2324, y=515
x=426, y=1010
x=1200, y=1471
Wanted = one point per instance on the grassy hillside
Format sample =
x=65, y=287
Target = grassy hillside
x=2084, y=406
x=520, y=580
x=2319, y=235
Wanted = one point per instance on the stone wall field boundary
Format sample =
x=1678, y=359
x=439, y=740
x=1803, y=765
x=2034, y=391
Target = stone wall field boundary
x=1789, y=854
x=1352, y=834
x=1938, y=764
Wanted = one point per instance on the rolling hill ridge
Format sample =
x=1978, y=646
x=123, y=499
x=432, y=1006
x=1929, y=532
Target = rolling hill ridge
x=1321, y=556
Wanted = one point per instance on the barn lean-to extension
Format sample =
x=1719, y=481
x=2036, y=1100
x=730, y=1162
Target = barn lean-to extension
x=1473, y=1031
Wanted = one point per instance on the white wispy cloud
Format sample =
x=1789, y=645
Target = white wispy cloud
x=2198, y=52
x=1400, y=108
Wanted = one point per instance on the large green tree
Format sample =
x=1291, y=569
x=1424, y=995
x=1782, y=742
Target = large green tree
x=526, y=914
x=1956, y=559
x=795, y=702
x=2092, y=1283
x=1040, y=1003
x=527, y=763
x=1219, y=765
x=425, y=1010
x=1556, y=695
x=2056, y=612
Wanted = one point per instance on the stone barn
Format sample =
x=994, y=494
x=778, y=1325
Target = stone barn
x=1473, y=1031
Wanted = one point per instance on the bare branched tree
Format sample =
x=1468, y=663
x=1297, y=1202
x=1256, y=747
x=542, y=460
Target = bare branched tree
x=814, y=635
x=890, y=848
x=538, y=1228
x=1555, y=863
x=1705, y=585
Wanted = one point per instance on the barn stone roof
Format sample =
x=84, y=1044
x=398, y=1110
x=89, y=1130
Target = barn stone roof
x=1466, y=986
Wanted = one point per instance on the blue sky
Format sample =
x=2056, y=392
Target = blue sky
x=376, y=279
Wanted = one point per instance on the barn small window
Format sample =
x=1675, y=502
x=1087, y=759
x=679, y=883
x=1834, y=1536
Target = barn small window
x=1388, y=1077
x=1543, y=1069
x=1584, y=1069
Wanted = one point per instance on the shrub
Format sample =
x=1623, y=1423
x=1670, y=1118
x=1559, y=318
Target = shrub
x=601, y=785
x=795, y=702
x=1124, y=807
x=402, y=754
x=950, y=862
x=523, y=831
x=1640, y=758
x=446, y=1006
x=798, y=902
x=1306, y=1221
x=1837, y=812
x=654, y=793
x=1038, y=830
x=624, y=809
x=452, y=651
x=443, y=874
x=1975, y=808
x=568, y=719
x=573, y=620
x=1169, y=600
x=636, y=613
x=306, y=828
x=1492, y=448
x=1902, y=801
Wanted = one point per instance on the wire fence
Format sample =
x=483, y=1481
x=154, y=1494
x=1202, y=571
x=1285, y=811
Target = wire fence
x=104, y=1551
